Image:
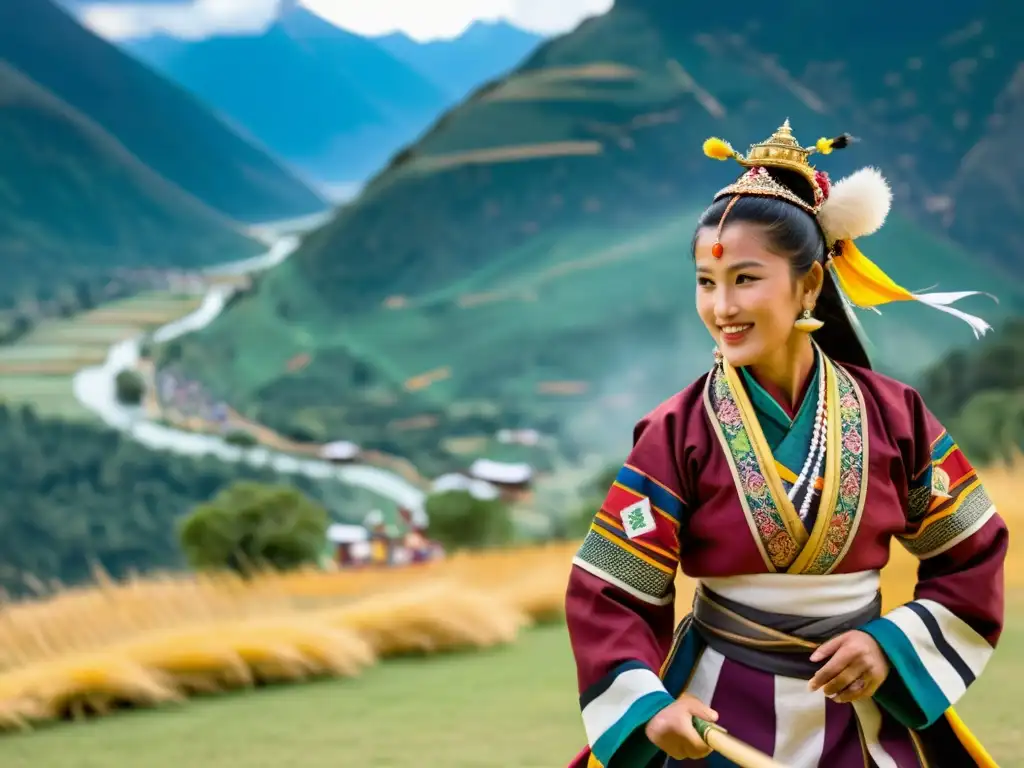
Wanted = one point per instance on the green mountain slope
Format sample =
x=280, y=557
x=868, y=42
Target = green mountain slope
x=530, y=254
x=163, y=126
x=75, y=201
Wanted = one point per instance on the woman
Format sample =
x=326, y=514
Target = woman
x=777, y=481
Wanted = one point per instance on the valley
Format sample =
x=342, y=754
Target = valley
x=519, y=263
x=39, y=369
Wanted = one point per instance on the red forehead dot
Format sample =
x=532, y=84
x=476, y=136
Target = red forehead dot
x=717, y=250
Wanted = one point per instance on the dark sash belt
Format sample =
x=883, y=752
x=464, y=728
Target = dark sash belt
x=774, y=642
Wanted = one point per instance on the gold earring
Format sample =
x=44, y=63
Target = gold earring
x=807, y=322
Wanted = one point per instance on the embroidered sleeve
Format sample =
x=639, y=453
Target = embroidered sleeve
x=939, y=643
x=619, y=603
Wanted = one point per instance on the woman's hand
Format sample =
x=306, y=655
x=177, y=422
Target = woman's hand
x=672, y=731
x=856, y=669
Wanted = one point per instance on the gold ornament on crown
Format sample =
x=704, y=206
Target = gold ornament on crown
x=855, y=207
x=781, y=150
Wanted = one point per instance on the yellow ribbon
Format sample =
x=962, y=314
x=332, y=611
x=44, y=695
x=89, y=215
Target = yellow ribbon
x=865, y=285
x=863, y=281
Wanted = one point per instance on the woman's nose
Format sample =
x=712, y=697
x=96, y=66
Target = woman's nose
x=724, y=304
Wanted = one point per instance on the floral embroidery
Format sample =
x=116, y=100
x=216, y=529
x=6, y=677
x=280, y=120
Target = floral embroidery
x=780, y=546
x=851, y=476
x=777, y=542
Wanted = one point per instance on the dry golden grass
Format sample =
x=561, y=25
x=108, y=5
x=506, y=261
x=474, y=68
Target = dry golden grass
x=146, y=642
x=160, y=640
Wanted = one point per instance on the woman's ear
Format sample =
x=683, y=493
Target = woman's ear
x=813, y=282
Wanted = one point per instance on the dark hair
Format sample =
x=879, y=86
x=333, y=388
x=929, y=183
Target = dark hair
x=794, y=233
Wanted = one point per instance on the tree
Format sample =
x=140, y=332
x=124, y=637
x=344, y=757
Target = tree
x=129, y=387
x=460, y=520
x=249, y=526
x=990, y=427
x=241, y=438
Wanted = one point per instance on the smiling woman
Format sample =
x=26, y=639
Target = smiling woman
x=778, y=480
x=762, y=277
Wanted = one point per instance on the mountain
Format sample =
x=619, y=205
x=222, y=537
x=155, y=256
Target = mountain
x=486, y=50
x=167, y=129
x=73, y=200
x=334, y=104
x=526, y=261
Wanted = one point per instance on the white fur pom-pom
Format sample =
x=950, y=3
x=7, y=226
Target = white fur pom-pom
x=857, y=206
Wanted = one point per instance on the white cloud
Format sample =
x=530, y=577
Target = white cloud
x=420, y=19
x=189, y=21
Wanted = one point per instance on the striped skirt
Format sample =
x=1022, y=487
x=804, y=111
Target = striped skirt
x=797, y=727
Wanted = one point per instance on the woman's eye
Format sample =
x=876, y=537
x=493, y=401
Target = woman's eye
x=746, y=279
x=704, y=281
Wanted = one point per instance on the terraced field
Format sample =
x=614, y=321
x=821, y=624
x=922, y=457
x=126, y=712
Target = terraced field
x=39, y=368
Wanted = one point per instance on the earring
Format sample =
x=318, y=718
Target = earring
x=807, y=322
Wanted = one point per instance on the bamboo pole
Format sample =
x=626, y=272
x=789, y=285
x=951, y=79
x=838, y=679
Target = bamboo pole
x=728, y=746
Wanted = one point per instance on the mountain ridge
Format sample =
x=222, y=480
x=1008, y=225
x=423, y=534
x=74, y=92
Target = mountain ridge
x=336, y=104
x=73, y=200
x=530, y=251
x=161, y=124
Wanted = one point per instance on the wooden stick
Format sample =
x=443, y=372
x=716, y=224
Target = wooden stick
x=728, y=746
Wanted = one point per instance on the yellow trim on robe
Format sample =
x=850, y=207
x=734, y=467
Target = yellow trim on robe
x=790, y=517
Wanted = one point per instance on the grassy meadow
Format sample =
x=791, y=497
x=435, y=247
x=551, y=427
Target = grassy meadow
x=38, y=369
x=500, y=690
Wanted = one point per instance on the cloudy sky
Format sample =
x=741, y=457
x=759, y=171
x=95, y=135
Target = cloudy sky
x=420, y=19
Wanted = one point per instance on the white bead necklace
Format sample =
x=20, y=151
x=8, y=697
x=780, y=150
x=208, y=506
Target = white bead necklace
x=816, y=453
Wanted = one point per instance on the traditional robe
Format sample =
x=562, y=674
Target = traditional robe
x=704, y=490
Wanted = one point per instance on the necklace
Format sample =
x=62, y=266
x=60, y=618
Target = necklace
x=816, y=453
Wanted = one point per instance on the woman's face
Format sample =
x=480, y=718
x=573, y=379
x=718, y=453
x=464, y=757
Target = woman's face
x=748, y=298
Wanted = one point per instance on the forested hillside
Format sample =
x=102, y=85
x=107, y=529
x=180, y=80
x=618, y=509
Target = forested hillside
x=74, y=494
x=978, y=393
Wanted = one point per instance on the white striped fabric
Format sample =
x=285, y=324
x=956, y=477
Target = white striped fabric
x=968, y=644
x=608, y=708
x=871, y=726
x=799, y=723
x=800, y=716
x=957, y=645
x=799, y=594
x=705, y=676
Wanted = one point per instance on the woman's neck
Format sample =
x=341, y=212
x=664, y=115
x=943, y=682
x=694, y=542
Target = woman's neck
x=786, y=372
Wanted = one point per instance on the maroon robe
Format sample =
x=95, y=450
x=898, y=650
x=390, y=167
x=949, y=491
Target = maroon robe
x=700, y=491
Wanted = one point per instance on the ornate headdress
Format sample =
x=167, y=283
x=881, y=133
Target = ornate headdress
x=854, y=207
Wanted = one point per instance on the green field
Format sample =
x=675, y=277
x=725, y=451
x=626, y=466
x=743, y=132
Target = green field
x=513, y=707
x=38, y=368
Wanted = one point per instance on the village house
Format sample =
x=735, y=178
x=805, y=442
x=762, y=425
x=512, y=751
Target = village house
x=514, y=481
x=340, y=452
x=456, y=481
x=350, y=543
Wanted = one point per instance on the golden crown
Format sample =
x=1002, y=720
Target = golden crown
x=780, y=150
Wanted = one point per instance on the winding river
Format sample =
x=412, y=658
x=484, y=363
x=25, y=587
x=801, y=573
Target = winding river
x=94, y=388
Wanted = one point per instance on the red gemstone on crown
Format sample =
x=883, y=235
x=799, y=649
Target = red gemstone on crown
x=823, y=183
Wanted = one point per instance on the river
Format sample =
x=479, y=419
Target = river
x=94, y=388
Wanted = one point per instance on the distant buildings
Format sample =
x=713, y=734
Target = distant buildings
x=340, y=452
x=510, y=477
x=377, y=543
x=487, y=479
x=530, y=437
x=456, y=481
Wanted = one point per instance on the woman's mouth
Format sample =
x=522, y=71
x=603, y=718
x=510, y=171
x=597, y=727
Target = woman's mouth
x=733, y=334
